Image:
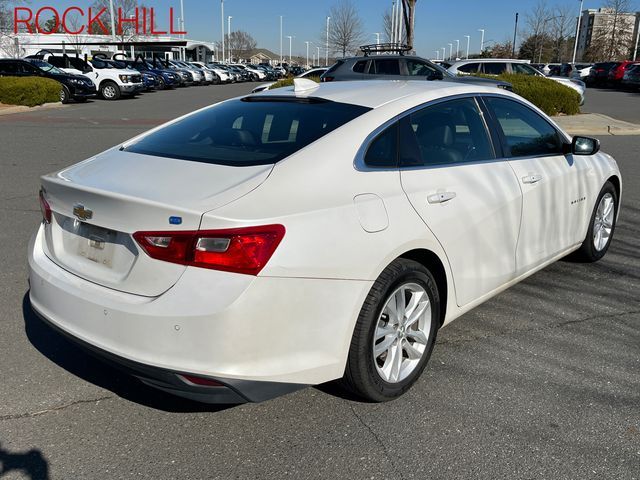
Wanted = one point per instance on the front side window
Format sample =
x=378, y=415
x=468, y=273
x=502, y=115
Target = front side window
x=250, y=131
x=450, y=132
x=494, y=68
x=416, y=68
x=526, y=133
x=389, y=66
x=524, y=69
x=383, y=150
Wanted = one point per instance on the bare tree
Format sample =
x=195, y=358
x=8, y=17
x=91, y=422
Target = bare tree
x=612, y=35
x=536, y=21
x=240, y=42
x=562, y=26
x=346, y=33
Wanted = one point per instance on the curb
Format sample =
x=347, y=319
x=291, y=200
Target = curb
x=596, y=124
x=11, y=109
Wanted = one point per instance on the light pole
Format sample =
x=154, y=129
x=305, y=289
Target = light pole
x=468, y=37
x=444, y=50
x=229, y=33
x=377, y=38
x=457, y=49
x=290, y=37
x=437, y=54
x=515, y=37
x=326, y=61
x=222, y=26
x=113, y=20
x=450, y=51
x=575, y=44
x=481, y=40
x=307, y=42
x=318, y=56
x=280, y=40
x=635, y=50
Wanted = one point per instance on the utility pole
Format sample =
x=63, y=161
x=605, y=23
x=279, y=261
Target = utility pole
x=326, y=61
x=468, y=42
x=575, y=44
x=515, y=36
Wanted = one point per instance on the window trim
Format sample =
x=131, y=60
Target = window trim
x=504, y=147
x=360, y=165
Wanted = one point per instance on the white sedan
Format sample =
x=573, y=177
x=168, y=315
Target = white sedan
x=312, y=233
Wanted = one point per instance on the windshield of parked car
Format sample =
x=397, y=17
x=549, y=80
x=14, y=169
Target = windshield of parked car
x=249, y=131
x=46, y=67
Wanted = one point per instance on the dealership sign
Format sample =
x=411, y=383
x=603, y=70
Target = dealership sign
x=93, y=21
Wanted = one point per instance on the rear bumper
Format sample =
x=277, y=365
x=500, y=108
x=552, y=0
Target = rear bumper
x=275, y=334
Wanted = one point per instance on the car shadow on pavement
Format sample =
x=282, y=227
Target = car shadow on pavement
x=78, y=362
x=30, y=464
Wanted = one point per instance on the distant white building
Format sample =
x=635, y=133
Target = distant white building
x=23, y=44
x=596, y=34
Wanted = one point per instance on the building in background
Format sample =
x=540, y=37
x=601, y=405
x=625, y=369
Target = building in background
x=607, y=35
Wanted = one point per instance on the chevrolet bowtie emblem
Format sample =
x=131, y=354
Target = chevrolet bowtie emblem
x=81, y=212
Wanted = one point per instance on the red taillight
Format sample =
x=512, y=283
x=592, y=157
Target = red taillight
x=44, y=208
x=200, y=381
x=240, y=250
x=328, y=79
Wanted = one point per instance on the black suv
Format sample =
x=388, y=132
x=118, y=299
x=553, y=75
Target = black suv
x=399, y=67
x=74, y=87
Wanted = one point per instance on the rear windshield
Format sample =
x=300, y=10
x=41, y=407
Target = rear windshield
x=248, y=132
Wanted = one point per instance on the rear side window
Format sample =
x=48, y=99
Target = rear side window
x=360, y=66
x=469, y=68
x=526, y=133
x=389, y=66
x=383, y=151
x=8, y=68
x=494, y=68
x=247, y=132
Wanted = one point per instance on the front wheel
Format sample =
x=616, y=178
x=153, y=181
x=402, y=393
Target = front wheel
x=110, y=91
x=601, y=226
x=65, y=96
x=395, y=332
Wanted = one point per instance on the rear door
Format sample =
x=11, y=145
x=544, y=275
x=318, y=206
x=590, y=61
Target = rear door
x=386, y=68
x=553, y=184
x=469, y=200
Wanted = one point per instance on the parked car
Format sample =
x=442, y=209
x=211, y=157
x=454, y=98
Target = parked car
x=581, y=71
x=631, y=78
x=599, y=74
x=196, y=74
x=237, y=275
x=73, y=87
x=112, y=83
x=398, y=67
x=616, y=73
x=314, y=72
x=210, y=74
x=497, y=66
x=544, y=68
x=166, y=78
x=185, y=76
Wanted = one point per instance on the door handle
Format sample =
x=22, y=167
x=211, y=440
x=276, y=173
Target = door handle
x=532, y=178
x=441, y=197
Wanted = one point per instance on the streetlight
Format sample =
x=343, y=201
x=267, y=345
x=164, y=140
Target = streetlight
x=229, y=33
x=183, y=49
x=468, y=42
x=443, y=52
x=113, y=20
x=450, y=51
x=575, y=44
x=437, y=54
x=457, y=49
x=377, y=37
x=318, y=57
x=327, y=53
x=280, y=40
x=481, y=40
x=222, y=26
x=290, y=41
x=307, y=42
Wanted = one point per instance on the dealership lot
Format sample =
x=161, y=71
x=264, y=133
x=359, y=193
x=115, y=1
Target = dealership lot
x=540, y=382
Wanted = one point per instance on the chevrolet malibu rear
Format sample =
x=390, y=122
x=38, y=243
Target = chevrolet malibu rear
x=153, y=256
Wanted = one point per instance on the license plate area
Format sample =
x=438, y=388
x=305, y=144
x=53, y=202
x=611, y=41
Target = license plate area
x=96, y=244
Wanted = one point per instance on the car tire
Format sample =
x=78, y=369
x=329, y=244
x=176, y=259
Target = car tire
x=110, y=91
x=162, y=85
x=380, y=366
x=601, y=226
x=65, y=95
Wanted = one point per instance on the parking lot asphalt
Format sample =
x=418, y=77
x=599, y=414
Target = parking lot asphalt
x=618, y=104
x=543, y=381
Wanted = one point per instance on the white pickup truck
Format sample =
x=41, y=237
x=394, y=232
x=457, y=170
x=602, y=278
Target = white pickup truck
x=112, y=82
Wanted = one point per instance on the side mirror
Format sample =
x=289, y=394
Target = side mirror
x=585, y=146
x=436, y=75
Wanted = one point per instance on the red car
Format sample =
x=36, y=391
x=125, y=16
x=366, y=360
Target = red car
x=617, y=73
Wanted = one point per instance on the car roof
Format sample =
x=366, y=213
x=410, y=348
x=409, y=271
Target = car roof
x=491, y=60
x=375, y=93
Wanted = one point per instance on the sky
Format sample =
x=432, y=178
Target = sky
x=438, y=22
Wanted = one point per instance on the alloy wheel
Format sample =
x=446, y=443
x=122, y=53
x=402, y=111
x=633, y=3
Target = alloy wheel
x=402, y=332
x=603, y=223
